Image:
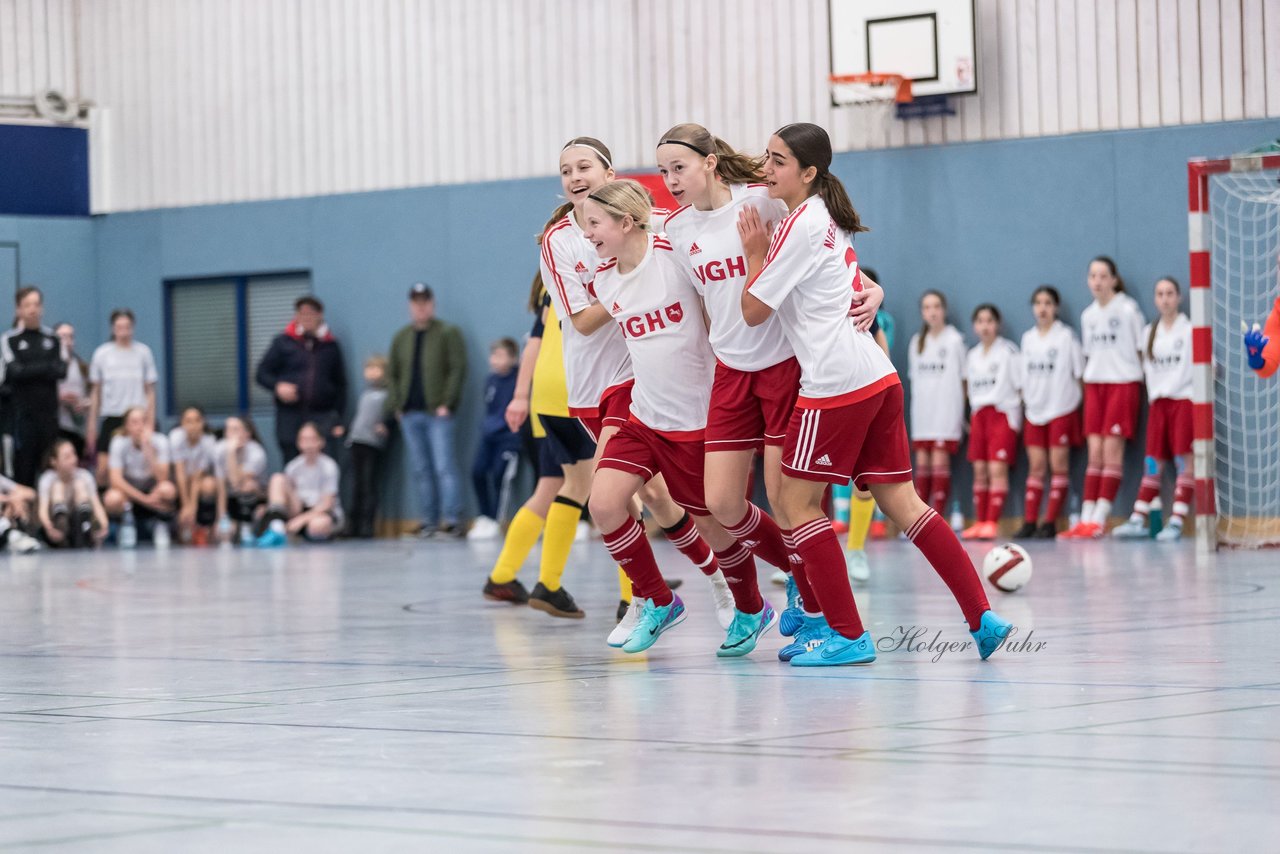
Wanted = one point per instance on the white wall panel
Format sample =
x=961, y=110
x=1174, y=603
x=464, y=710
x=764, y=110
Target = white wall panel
x=223, y=100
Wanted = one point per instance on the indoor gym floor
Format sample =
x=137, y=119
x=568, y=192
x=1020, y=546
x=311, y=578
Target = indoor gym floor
x=365, y=697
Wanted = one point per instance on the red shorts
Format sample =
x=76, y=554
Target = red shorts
x=751, y=407
x=865, y=441
x=1169, y=428
x=991, y=439
x=1111, y=409
x=951, y=446
x=642, y=451
x=1063, y=431
x=614, y=409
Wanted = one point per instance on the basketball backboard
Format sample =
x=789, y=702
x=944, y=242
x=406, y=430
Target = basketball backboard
x=930, y=42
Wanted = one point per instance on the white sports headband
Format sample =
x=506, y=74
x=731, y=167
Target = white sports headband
x=607, y=162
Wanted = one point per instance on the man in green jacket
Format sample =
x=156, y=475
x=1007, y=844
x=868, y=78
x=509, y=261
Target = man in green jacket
x=427, y=365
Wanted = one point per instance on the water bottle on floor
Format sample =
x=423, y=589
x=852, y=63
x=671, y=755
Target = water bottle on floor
x=128, y=530
x=224, y=532
x=957, y=515
x=1155, y=517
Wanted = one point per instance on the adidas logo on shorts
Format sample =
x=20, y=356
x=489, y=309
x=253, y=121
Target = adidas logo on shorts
x=824, y=460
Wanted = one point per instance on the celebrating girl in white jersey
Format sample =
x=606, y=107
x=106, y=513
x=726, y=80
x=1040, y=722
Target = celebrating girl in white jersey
x=596, y=363
x=1052, y=364
x=995, y=379
x=757, y=376
x=848, y=419
x=649, y=295
x=936, y=368
x=1167, y=365
x=1111, y=328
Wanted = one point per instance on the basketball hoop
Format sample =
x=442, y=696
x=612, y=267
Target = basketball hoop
x=875, y=97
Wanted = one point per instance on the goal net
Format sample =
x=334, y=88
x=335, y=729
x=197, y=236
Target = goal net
x=1235, y=253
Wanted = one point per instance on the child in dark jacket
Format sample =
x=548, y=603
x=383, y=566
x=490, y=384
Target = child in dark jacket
x=498, y=456
x=366, y=440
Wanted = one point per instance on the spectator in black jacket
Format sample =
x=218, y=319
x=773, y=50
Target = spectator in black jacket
x=32, y=360
x=303, y=368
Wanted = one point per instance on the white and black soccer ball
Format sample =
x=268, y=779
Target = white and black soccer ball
x=1007, y=567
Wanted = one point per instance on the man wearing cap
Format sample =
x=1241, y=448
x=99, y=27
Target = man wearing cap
x=425, y=370
x=303, y=368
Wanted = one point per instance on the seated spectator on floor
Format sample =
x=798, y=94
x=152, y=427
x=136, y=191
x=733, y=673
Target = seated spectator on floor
x=17, y=516
x=138, y=472
x=240, y=464
x=499, y=450
x=303, y=501
x=71, y=516
x=193, y=450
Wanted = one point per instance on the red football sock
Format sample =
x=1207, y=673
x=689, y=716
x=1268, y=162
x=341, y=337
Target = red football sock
x=801, y=575
x=759, y=533
x=939, y=545
x=1034, y=495
x=1110, y=484
x=981, y=501
x=924, y=484
x=739, y=567
x=1147, y=490
x=995, y=503
x=685, y=537
x=1058, y=488
x=941, y=489
x=630, y=548
x=1184, y=492
x=824, y=560
x=1092, y=477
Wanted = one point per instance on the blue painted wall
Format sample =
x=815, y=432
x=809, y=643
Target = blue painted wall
x=984, y=221
x=56, y=253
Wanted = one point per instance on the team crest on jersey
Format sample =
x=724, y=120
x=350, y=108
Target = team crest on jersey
x=695, y=249
x=675, y=312
x=1177, y=345
x=1053, y=353
x=580, y=269
x=1114, y=322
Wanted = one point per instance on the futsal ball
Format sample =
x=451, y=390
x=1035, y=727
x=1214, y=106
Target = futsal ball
x=1007, y=566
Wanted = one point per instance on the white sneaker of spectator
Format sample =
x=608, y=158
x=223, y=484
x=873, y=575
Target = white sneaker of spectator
x=21, y=543
x=484, y=528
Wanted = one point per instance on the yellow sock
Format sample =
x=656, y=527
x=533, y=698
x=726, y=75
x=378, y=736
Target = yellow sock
x=557, y=540
x=522, y=536
x=624, y=586
x=860, y=510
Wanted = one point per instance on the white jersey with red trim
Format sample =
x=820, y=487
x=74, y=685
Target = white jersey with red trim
x=937, y=386
x=709, y=244
x=660, y=317
x=995, y=378
x=593, y=363
x=808, y=278
x=1052, y=365
x=1112, y=337
x=1168, y=367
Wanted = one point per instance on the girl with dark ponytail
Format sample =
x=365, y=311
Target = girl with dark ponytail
x=1111, y=332
x=848, y=420
x=1166, y=364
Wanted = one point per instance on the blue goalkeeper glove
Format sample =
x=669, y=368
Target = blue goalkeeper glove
x=1254, y=342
